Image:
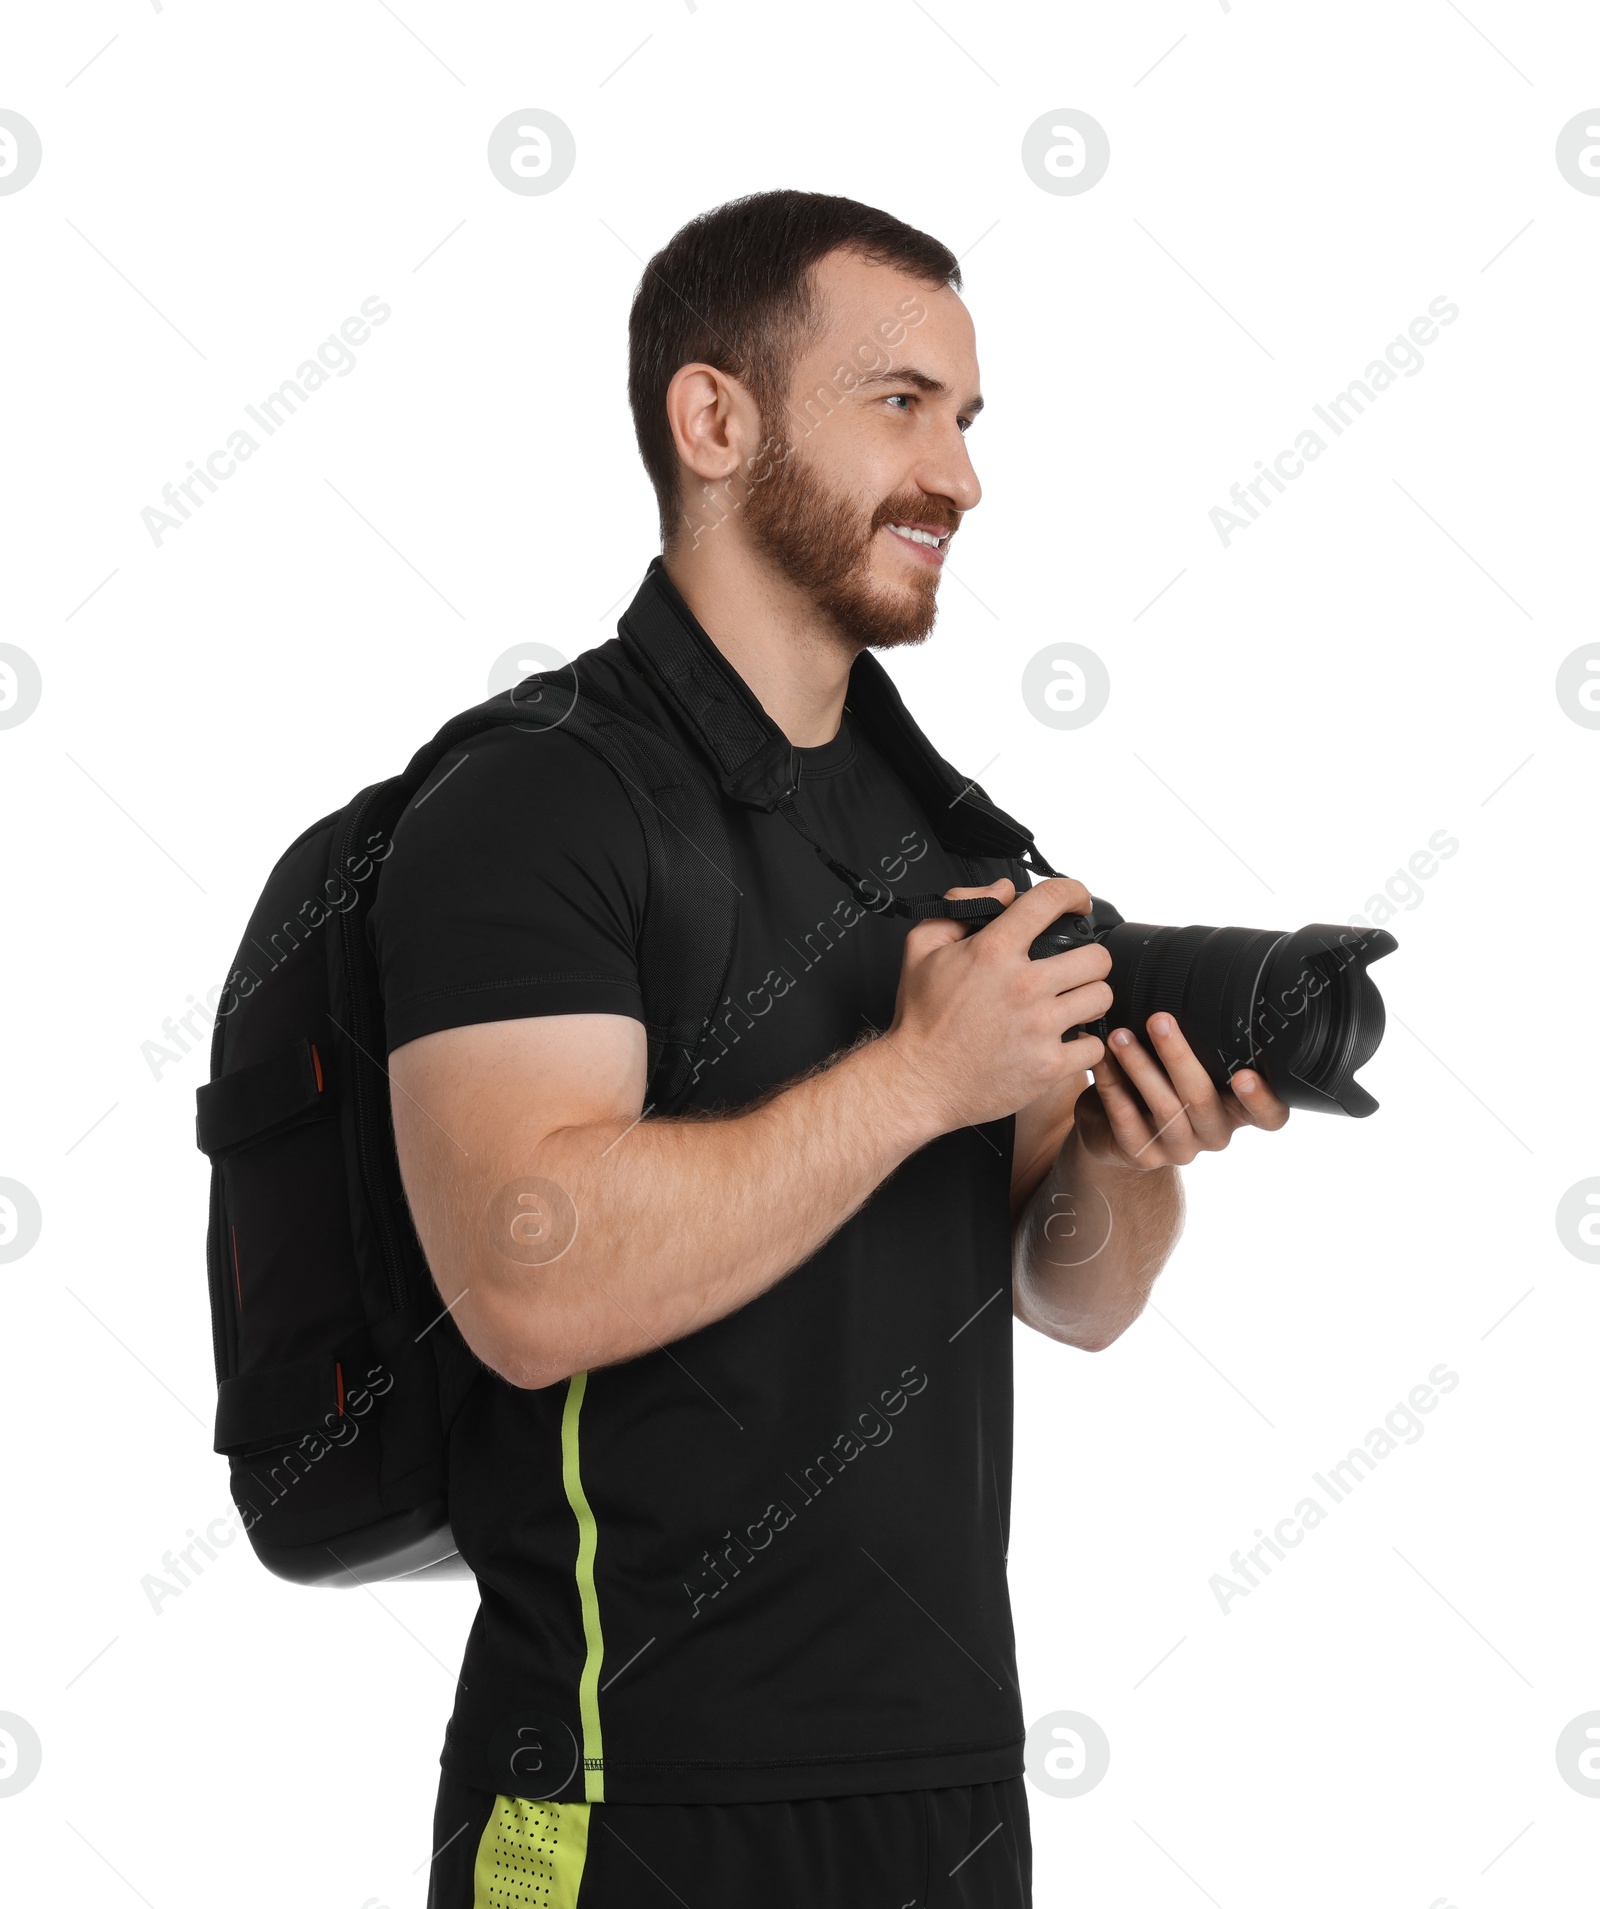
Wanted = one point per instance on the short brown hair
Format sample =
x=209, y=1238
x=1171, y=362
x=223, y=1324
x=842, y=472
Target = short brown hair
x=732, y=288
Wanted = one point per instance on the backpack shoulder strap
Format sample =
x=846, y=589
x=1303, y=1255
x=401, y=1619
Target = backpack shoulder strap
x=756, y=765
x=690, y=923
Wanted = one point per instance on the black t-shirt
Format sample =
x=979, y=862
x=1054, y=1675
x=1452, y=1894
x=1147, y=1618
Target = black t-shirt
x=769, y=1560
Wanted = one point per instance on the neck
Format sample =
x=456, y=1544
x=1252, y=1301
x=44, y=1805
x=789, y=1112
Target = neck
x=793, y=662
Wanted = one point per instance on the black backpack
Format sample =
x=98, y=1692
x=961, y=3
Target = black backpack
x=339, y=1372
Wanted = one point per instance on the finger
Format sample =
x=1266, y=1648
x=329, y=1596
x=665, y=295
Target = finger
x=1078, y=967
x=1081, y=995
x=940, y=930
x=1035, y=909
x=1097, y=1134
x=1148, y=1075
x=1258, y=1103
x=1003, y=891
x=1092, y=1125
x=1210, y=1116
x=1126, y=1115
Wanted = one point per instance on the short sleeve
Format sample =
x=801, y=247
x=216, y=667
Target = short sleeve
x=516, y=886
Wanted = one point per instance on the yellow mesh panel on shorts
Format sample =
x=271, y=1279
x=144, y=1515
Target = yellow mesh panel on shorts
x=531, y=1855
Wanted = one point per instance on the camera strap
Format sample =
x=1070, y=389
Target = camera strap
x=876, y=897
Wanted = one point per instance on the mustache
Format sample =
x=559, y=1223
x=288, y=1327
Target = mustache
x=916, y=508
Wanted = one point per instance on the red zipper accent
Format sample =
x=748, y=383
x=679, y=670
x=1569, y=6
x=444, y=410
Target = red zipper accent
x=338, y=1379
x=316, y=1062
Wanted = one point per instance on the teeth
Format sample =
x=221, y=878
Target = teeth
x=928, y=537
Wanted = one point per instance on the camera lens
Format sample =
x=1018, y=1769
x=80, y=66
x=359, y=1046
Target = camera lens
x=1298, y=1007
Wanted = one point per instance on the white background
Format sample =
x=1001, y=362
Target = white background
x=1292, y=716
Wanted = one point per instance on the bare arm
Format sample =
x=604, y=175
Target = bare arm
x=1095, y=1228
x=1089, y=1244
x=643, y=1230
x=1088, y=1235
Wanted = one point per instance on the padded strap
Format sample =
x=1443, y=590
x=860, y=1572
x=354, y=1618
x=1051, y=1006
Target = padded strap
x=688, y=936
x=686, y=946
x=242, y=1105
x=752, y=755
x=754, y=761
x=278, y=1405
x=757, y=766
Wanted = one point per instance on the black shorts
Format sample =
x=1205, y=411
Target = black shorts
x=964, y=1848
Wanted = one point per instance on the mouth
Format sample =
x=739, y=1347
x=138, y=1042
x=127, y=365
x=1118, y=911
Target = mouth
x=926, y=543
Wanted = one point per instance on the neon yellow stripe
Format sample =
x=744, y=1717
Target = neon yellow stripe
x=531, y=1852
x=594, y=1781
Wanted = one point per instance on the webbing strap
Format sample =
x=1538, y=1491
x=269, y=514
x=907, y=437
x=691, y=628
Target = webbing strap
x=258, y=1409
x=241, y=1105
x=880, y=900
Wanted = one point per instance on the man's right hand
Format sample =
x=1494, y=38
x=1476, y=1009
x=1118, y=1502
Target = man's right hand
x=978, y=1024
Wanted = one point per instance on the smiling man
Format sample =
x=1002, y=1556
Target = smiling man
x=735, y=1476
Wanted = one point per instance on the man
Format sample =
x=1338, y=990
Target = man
x=735, y=1484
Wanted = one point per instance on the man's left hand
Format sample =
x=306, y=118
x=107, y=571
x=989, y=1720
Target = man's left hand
x=1144, y=1112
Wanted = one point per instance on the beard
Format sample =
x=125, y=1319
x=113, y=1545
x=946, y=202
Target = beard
x=821, y=540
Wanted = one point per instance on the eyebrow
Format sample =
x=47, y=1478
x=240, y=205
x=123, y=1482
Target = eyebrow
x=908, y=374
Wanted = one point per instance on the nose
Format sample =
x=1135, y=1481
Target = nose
x=946, y=471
